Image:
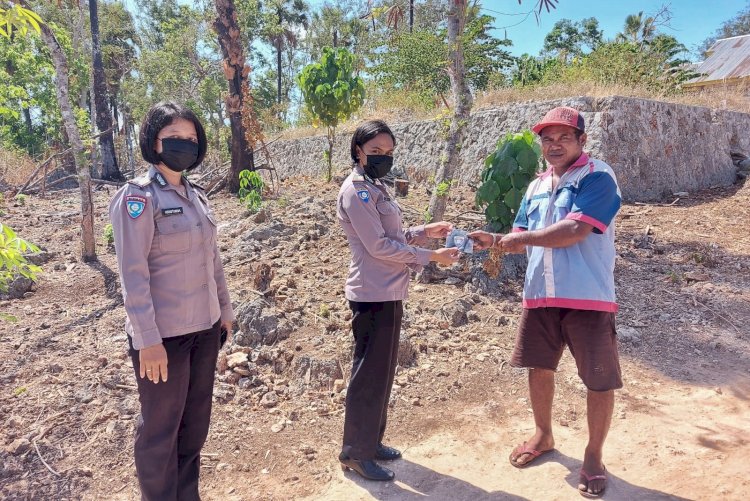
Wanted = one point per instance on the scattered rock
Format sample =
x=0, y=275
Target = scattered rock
x=318, y=373
x=339, y=385
x=276, y=428
x=236, y=359
x=270, y=399
x=629, y=335
x=18, y=288
x=260, y=323
x=456, y=312
x=18, y=446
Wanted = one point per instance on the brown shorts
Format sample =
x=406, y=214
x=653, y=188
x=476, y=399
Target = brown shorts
x=590, y=335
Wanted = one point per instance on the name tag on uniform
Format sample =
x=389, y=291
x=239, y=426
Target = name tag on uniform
x=171, y=212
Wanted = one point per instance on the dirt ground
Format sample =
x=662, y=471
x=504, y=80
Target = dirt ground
x=67, y=392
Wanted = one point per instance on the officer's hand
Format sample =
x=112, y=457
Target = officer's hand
x=438, y=230
x=482, y=239
x=446, y=256
x=153, y=361
x=227, y=325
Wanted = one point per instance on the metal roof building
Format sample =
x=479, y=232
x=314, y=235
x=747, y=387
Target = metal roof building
x=728, y=62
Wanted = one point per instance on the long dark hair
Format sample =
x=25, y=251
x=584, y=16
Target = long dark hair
x=367, y=131
x=159, y=116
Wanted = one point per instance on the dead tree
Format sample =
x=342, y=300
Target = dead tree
x=236, y=72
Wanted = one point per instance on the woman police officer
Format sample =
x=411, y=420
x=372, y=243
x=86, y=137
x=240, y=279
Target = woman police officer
x=382, y=256
x=176, y=301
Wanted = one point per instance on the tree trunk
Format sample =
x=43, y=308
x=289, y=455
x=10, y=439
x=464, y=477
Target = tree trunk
x=235, y=71
x=29, y=124
x=128, y=129
x=411, y=16
x=110, y=170
x=60, y=61
x=462, y=104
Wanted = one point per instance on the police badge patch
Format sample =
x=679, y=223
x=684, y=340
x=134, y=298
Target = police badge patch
x=364, y=195
x=135, y=205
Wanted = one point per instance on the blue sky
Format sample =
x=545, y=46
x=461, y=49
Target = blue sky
x=692, y=20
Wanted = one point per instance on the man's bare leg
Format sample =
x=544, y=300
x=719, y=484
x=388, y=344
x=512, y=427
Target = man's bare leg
x=599, y=408
x=541, y=393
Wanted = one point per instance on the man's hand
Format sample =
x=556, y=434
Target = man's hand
x=446, y=256
x=483, y=240
x=438, y=230
x=153, y=362
x=512, y=243
x=227, y=325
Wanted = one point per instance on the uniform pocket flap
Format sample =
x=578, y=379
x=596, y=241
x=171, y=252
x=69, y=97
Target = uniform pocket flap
x=172, y=224
x=388, y=208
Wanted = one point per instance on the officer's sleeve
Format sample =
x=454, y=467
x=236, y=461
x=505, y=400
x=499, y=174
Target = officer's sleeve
x=365, y=220
x=597, y=201
x=133, y=237
x=225, y=303
x=416, y=235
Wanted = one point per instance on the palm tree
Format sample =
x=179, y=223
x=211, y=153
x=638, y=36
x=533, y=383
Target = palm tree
x=638, y=29
x=284, y=18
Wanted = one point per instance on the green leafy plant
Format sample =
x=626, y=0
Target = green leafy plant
x=12, y=260
x=21, y=199
x=444, y=187
x=109, y=234
x=332, y=93
x=251, y=188
x=507, y=173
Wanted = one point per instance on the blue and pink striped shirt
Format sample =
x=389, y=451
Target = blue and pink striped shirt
x=580, y=276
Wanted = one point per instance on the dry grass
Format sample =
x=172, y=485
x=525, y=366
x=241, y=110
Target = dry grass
x=15, y=168
x=720, y=97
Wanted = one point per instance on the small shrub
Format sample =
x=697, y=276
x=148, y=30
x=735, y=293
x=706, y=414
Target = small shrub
x=251, y=188
x=12, y=260
x=21, y=199
x=109, y=234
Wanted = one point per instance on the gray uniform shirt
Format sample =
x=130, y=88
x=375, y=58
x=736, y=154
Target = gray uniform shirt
x=170, y=269
x=382, y=252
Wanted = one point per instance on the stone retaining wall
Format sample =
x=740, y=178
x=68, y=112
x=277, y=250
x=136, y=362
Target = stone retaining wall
x=656, y=148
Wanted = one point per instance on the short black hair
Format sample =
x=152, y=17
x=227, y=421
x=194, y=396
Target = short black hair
x=578, y=133
x=159, y=116
x=367, y=131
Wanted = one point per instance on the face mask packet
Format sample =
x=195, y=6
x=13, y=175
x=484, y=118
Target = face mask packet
x=460, y=240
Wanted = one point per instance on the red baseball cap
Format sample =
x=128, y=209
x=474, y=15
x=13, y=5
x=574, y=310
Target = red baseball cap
x=562, y=115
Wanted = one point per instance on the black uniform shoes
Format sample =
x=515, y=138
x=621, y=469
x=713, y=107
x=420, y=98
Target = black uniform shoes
x=367, y=468
x=385, y=453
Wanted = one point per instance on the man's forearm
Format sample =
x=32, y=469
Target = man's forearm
x=561, y=234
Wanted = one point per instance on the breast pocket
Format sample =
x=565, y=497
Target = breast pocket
x=174, y=235
x=563, y=203
x=390, y=217
x=535, y=212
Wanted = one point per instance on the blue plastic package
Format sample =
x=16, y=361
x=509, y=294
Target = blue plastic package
x=460, y=240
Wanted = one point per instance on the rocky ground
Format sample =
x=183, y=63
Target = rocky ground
x=67, y=392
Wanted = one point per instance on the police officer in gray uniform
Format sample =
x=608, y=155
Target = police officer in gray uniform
x=383, y=255
x=176, y=301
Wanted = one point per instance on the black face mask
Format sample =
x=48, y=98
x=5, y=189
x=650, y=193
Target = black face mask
x=378, y=165
x=179, y=154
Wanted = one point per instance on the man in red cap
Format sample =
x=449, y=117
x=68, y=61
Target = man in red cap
x=564, y=226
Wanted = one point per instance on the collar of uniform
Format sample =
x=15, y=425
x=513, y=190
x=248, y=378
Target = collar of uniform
x=360, y=172
x=161, y=181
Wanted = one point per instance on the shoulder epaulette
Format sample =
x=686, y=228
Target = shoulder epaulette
x=141, y=181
